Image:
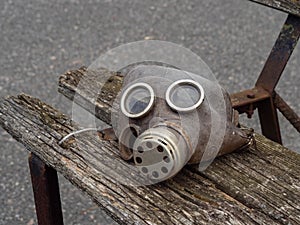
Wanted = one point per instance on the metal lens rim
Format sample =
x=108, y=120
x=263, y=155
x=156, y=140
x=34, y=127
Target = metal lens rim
x=125, y=95
x=189, y=82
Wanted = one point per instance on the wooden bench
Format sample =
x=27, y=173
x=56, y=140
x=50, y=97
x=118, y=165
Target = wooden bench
x=259, y=185
x=255, y=186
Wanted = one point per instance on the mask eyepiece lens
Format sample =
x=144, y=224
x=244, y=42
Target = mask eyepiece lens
x=184, y=95
x=137, y=100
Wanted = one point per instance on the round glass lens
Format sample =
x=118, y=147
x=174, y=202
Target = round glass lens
x=137, y=100
x=185, y=95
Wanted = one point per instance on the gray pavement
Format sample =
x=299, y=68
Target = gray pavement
x=41, y=39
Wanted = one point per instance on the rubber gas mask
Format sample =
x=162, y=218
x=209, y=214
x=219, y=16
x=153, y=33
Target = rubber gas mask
x=166, y=118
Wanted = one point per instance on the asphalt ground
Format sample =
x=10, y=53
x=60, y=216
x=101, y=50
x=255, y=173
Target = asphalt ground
x=41, y=39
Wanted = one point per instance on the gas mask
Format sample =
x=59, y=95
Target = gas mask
x=166, y=117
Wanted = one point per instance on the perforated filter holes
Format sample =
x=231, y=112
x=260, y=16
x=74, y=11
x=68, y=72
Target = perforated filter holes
x=156, y=154
x=153, y=159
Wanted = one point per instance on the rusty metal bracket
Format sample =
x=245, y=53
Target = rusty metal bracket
x=262, y=95
x=46, y=192
x=287, y=111
x=246, y=101
x=280, y=54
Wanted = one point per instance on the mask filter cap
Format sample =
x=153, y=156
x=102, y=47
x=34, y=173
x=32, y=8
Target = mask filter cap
x=157, y=154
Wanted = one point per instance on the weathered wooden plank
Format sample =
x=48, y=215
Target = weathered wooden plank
x=188, y=198
x=271, y=184
x=288, y=6
x=86, y=85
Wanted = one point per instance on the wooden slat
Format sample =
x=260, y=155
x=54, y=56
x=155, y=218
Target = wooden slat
x=271, y=196
x=288, y=6
x=86, y=85
x=257, y=186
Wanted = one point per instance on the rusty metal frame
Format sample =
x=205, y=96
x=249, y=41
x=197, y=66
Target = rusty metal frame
x=263, y=96
x=46, y=192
